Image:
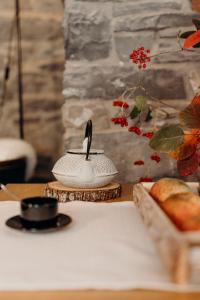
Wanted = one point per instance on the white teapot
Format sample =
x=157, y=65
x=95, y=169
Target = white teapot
x=85, y=168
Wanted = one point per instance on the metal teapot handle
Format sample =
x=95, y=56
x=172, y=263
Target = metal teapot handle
x=88, y=134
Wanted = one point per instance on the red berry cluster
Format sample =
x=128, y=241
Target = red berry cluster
x=145, y=179
x=148, y=135
x=125, y=105
x=139, y=162
x=120, y=120
x=120, y=103
x=155, y=157
x=135, y=129
x=140, y=57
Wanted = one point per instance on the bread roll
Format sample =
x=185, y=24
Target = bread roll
x=191, y=224
x=182, y=207
x=166, y=187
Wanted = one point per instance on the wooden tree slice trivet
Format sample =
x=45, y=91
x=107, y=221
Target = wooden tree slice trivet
x=64, y=194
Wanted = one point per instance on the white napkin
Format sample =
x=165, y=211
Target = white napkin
x=105, y=247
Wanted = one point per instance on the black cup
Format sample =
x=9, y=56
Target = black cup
x=39, y=212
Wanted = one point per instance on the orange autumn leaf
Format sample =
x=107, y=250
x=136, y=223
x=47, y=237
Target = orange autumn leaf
x=196, y=135
x=196, y=100
x=190, y=116
x=192, y=40
x=189, y=165
x=187, y=148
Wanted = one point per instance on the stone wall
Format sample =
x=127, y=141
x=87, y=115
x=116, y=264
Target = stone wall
x=99, y=35
x=43, y=64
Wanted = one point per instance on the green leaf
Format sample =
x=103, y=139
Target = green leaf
x=167, y=139
x=196, y=22
x=134, y=113
x=185, y=35
x=140, y=102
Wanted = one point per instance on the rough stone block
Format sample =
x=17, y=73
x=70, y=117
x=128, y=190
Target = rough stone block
x=45, y=6
x=41, y=53
x=171, y=45
x=165, y=84
x=42, y=82
x=133, y=23
x=140, y=7
x=34, y=28
x=110, y=81
x=175, y=20
x=6, y=23
x=7, y=5
x=140, y=22
x=35, y=105
x=89, y=33
x=173, y=32
x=105, y=82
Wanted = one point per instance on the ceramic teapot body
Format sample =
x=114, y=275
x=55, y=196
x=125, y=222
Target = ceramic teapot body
x=85, y=168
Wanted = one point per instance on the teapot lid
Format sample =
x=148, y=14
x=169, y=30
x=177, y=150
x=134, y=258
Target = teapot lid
x=84, y=151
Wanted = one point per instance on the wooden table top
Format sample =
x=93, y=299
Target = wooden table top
x=28, y=190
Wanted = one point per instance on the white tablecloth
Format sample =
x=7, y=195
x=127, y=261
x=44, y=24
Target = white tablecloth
x=105, y=247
